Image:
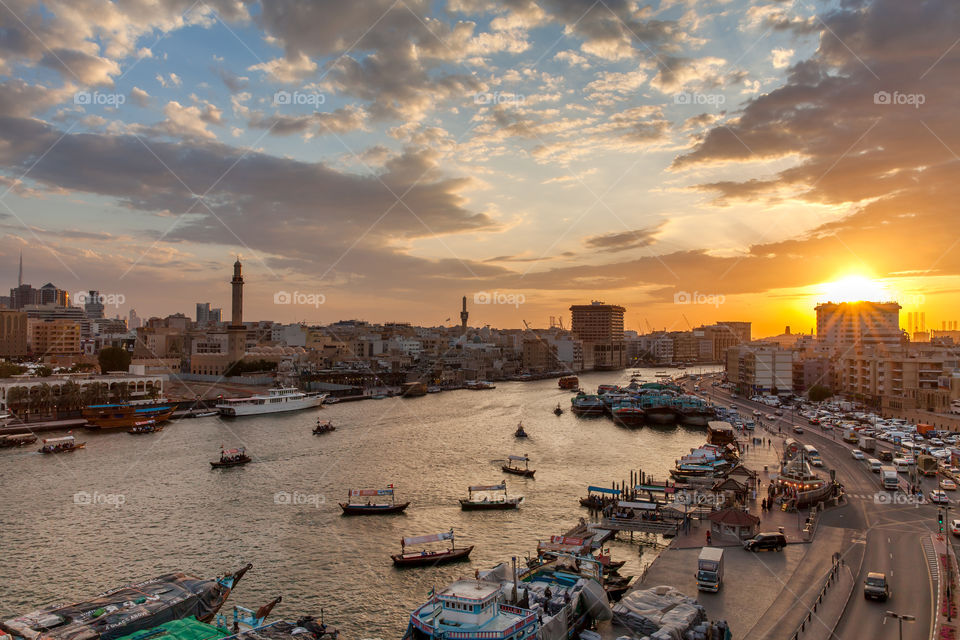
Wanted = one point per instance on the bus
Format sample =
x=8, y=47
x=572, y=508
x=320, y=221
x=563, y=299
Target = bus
x=813, y=456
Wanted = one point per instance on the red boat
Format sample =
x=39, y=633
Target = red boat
x=424, y=557
x=526, y=472
x=569, y=382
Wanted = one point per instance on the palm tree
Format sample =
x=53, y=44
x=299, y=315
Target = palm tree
x=69, y=395
x=16, y=398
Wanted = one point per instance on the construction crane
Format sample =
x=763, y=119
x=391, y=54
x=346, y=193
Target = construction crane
x=527, y=325
x=649, y=327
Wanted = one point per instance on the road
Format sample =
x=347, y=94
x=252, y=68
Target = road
x=891, y=532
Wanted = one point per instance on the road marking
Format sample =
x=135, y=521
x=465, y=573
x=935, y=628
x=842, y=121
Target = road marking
x=932, y=560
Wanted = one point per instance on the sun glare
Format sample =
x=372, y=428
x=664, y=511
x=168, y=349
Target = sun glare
x=853, y=288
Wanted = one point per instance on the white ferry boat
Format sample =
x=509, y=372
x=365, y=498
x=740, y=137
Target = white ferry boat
x=279, y=399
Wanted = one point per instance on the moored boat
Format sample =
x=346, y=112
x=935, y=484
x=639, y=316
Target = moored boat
x=64, y=444
x=586, y=405
x=147, y=426
x=353, y=508
x=498, y=501
x=277, y=400
x=231, y=458
x=126, y=415
x=420, y=558
x=526, y=471
x=17, y=440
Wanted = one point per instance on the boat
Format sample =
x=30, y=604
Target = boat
x=63, y=444
x=627, y=413
x=420, y=558
x=17, y=440
x=352, y=508
x=569, y=382
x=126, y=415
x=323, y=426
x=499, y=501
x=251, y=625
x=527, y=472
x=278, y=399
x=558, y=411
x=552, y=601
x=586, y=405
x=147, y=426
x=480, y=385
x=331, y=400
x=595, y=500
x=413, y=389
x=128, y=609
x=520, y=433
x=434, y=389
x=202, y=414
x=231, y=458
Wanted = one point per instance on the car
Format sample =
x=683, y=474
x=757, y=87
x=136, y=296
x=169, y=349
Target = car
x=875, y=587
x=939, y=497
x=955, y=527
x=885, y=456
x=814, y=421
x=953, y=470
x=797, y=429
x=948, y=484
x=857, y=454
x=778, y=412
x=766, y=541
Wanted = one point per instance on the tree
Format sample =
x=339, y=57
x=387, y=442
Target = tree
x=17, y=397
x=818, y=393
x=43, y=371
x=114, y=359
x=8, y=369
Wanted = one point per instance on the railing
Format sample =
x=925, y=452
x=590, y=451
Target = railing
x=832, y=576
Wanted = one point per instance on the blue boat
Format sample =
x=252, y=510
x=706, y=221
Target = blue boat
x=587, y=405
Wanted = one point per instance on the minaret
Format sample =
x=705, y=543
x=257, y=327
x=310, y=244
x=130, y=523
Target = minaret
x=237, y=283
x=464, y=315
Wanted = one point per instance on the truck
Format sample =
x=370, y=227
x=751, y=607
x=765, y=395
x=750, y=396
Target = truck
x=867, y=444
x=888, y=478
x=924, y=429
x=927, y=465
x=850, y=435
x=710, y=569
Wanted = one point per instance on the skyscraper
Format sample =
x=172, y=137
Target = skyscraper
x=600, y=327
x=93, y=305
x=859, y=324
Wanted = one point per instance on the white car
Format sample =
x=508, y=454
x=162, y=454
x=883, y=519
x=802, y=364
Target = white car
x=857, y=454
x=939, y=497
x=955, y=527
x=948, y=484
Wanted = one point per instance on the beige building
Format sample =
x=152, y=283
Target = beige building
x=903, y=379
x=599, y=327
x=849, y=325
x=48, y=338
x=13, y=334
x=760, y=368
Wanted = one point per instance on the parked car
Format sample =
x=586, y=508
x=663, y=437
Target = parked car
x=955, y=527
x=875, y=586
x=766, y=541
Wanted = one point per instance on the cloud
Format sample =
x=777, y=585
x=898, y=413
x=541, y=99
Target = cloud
x=140, y=97
x=780, y=58
x=623, y=240
x=318, y=123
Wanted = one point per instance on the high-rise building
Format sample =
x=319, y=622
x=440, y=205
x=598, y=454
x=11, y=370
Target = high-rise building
x=93, y=305
x=206, y=315
x=133, y=321
x=859, y=324
x=600, y=327
x=760, y=368
x=49, y=294
x=13, y=334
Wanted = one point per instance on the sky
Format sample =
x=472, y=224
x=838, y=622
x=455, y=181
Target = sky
x=693, y=161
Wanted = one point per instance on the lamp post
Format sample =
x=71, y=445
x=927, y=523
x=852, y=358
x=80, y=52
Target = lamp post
x=900, y=617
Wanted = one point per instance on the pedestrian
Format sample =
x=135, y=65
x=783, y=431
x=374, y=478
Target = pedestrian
x=708, y=538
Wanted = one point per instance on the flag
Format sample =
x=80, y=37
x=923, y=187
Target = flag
x=389, y=486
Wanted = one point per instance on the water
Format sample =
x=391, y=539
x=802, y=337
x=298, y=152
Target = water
x=179, y=514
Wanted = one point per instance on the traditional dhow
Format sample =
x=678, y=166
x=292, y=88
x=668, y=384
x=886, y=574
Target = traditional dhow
x=127, y=415
x=278, y=400
x=493, y=497
x=420, y=558
x=569, y=382
x=355, y=505
x=17, y=440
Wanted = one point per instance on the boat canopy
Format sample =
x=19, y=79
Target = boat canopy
x=593, y=489
x=233, y=452
x=520, y=458
x=567, y=540
x=433, y=537
x=643, y=506
x=61, y=440
x=364, y=493
x=489, y=487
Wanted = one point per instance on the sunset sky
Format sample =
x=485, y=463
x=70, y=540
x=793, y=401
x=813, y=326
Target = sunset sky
x=389, y=157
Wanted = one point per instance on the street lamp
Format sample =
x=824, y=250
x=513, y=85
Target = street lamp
x=901, y=618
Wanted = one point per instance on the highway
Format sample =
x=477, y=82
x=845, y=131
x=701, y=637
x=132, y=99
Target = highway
x=891, y=532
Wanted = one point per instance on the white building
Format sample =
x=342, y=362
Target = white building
x=760, y=368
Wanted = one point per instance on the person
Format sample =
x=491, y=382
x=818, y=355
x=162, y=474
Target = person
x=708, y=538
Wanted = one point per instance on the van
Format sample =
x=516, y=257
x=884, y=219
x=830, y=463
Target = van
x=875, y=465
x=888, y=478
x=901, y=465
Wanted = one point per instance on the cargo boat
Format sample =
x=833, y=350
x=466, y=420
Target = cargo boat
x=126, y=415
x=586, y=405
x=569, y=382
x=17, y=440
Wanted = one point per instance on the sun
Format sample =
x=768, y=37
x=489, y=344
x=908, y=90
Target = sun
x=853, y=288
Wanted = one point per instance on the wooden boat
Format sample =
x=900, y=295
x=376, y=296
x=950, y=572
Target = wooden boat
x=323, y=426
x=569, y=382
x=231, y=458
x=526, y=472
x=422, y=558
x=352, y=508
x=500, y=501
x=63, y=444
x=520, y=433
x=147, y=426
x=124, y=416
x=558, y=411
x=17, y=440
x=616, y=588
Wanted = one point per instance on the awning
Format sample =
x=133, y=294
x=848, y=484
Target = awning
x=489, y=487
x=433, y=537
x=592, y=489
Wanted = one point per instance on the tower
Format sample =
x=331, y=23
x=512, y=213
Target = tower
x=464, y=315
x=20, y=275
x=236, y=332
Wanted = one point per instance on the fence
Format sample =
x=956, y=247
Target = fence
x=832, y=577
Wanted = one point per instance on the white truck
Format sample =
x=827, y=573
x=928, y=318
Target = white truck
x=867, y=444
x=710, y=569
x=888, y=478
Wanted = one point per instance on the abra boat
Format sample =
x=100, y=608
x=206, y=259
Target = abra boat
x=353, y=508
x=126, y=415
x=17, y=440
x=147, y=426
x=526, y=472
x=279, y=399
x=499, y=501
x=420, y=558
x=558, y=411
x=64, y=444
x=231, y=458
x=323, y=426
x=520, y=433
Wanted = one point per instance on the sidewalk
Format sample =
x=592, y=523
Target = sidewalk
x=946, y=625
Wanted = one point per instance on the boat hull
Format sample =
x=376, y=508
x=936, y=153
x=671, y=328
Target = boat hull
x=430, y=559
x=240, y=410
x=467, y=505
x=233, y=463
x=527, y=473
x=123, y=418
x=79, y=445
x=372, y=509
